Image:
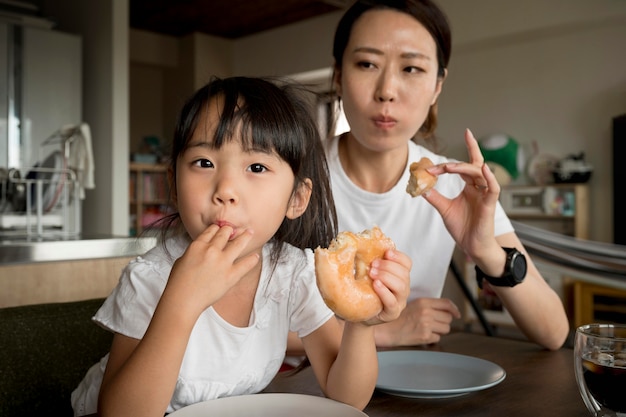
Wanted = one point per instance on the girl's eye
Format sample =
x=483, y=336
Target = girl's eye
x=203, y=163
x=257, y=168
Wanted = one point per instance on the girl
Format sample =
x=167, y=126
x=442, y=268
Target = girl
x=206, y=314
x=390, y=62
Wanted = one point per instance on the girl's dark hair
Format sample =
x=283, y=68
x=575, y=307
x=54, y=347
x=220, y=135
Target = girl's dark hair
x=268, y=115
x=424, y=11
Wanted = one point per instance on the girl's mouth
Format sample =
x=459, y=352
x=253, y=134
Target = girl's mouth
x=222, y=223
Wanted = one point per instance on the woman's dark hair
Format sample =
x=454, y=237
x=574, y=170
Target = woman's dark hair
x=268, y=115
x=424, y=11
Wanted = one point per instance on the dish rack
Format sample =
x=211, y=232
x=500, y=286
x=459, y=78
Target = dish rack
x=44, y=204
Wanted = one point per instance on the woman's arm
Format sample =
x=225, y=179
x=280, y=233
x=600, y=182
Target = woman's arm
x=469, y=217
x=534, y=306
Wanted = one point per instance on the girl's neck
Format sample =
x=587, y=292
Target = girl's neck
x=236, y=304
x=372, y=171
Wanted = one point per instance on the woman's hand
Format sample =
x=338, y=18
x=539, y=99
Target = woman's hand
x=469, y=217
x=391, y=281
x=423, y=321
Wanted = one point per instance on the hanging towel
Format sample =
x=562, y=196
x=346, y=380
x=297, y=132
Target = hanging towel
x=80, y=158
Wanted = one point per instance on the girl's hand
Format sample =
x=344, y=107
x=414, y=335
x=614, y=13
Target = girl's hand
x=469, y=217
x=391, y=281
x=210, y=266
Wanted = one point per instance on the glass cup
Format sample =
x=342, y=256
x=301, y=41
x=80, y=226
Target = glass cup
x=600, y=367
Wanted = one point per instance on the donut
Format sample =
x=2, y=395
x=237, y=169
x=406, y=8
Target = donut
x=420, y=180
x=342, y=273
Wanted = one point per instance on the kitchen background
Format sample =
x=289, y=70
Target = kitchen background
x=550, y=72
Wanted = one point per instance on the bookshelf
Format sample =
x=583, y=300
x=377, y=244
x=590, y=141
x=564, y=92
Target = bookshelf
x=149, y=195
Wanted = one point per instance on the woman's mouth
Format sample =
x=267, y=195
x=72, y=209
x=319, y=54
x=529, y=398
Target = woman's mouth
x=384, y=122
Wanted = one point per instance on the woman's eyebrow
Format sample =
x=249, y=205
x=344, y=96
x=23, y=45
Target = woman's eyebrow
x=368, y=50
x=405, y=55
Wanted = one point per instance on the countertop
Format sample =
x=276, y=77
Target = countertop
x=19, y=251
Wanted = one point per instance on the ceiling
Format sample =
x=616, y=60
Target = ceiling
x=229, y=19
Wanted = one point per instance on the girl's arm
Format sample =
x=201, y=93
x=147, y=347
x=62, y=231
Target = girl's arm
x=343, y=356
x=346, y=367
x=141, y=374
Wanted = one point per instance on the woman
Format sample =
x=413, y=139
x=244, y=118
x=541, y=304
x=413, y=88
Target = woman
x=391, y=60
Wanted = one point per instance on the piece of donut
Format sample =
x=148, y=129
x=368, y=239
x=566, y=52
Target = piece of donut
x=342, y=273
x=420, y=180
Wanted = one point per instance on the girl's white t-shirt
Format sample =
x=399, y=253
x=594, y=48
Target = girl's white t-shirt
x=221, y=360
x=411, y=222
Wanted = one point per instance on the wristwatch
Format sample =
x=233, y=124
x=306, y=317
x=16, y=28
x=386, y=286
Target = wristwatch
x=514, y=271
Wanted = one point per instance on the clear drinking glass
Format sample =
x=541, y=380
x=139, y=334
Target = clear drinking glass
x=600, y=366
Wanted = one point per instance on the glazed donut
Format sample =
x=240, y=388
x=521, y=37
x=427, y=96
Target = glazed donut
x=420, y=180
x=342, y=273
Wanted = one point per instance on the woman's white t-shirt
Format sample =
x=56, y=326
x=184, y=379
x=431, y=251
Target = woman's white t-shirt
x=411, y=222
x=221, y=360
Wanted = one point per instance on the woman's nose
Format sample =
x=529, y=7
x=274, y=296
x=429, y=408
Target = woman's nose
x=386, y=90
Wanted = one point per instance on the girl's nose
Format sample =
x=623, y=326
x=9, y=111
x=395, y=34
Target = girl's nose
x=225, y=191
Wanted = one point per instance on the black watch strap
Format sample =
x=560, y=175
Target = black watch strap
x=514, y=271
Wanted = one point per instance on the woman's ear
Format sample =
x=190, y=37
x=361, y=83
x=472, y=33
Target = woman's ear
x=439, y=86
x=300, y=200
x=337, y=80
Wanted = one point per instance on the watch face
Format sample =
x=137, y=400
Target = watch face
x=519, y=267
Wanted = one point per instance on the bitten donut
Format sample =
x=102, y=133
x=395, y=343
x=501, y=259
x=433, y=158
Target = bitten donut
x=342, y=273
x=420, y=180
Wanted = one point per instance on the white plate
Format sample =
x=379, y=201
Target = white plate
x=269, y=405
x=426, y=374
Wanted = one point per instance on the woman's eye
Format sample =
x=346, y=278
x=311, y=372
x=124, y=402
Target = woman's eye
x=203, y=163
x=258, y=168
x=365, y=64
x=414, y=70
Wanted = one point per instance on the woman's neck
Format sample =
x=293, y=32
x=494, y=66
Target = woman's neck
x=372, y=171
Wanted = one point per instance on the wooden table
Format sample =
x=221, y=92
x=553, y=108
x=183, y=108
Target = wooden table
x=538, y=383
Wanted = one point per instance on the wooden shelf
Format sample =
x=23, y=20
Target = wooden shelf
x=149, y=195
x=597, y=304
x=561, y=208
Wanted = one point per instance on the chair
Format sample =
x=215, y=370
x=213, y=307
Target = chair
x=45, y=350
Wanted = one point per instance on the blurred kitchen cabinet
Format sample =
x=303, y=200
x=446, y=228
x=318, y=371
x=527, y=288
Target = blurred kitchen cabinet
x=560, y=208
x=594, y=303
x=149, y=195
x=54, y=282
x=40, y=90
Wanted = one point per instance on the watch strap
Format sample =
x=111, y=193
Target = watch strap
x=507, y=279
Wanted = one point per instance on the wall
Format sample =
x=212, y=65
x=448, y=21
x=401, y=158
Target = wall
x=554, y=74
